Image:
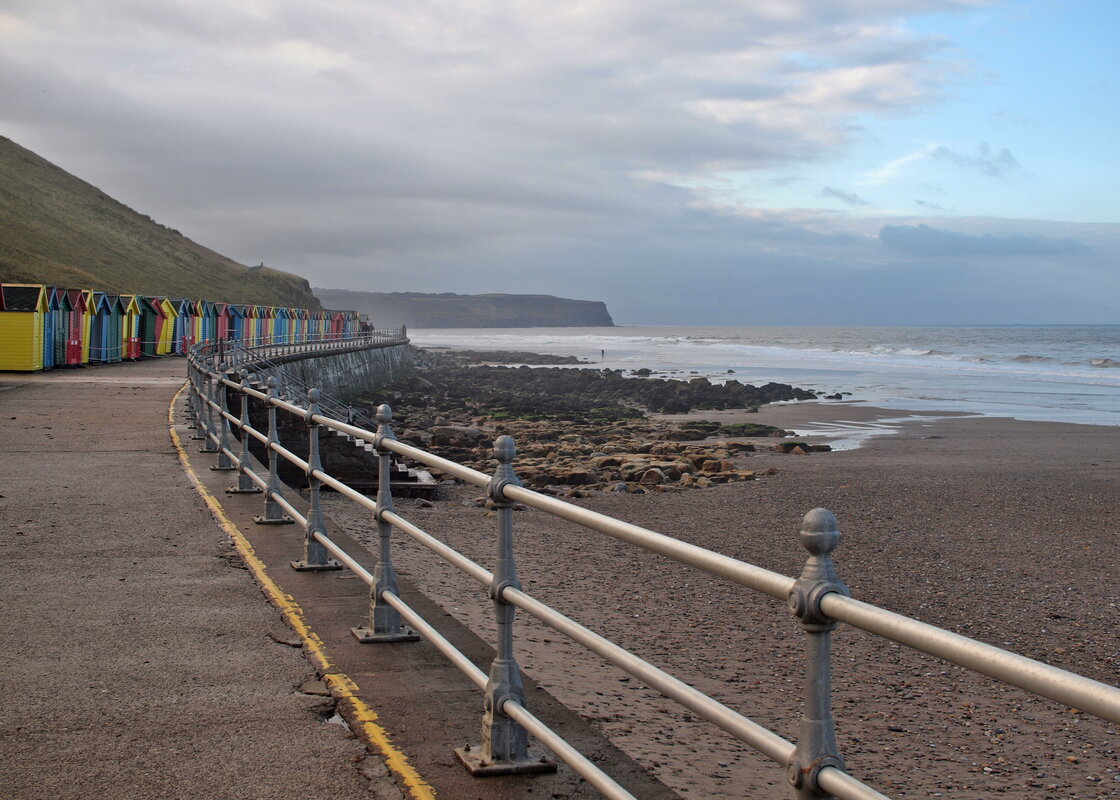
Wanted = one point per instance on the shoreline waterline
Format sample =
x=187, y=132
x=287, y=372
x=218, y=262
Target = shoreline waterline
x=1030, y=373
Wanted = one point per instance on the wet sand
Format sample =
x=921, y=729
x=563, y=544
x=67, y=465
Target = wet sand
x=1001, y=530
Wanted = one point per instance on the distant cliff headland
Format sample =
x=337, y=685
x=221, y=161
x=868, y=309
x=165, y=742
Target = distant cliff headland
x=447, y=310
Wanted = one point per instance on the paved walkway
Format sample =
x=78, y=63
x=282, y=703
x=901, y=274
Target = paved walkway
x=138, y=661
x=141, y=661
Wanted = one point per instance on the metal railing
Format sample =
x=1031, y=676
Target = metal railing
x=817, y=598
x=236, y=352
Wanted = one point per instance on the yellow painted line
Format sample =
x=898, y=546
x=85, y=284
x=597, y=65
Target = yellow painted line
x=342, y=687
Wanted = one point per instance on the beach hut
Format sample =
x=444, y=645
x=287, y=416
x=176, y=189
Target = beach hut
x=322, y=327
x=281, y=326
x=299, y=325
x=167, y=329
x=196, y=321
x=99, y=312
x=249, y=326
x=59, y=326
x=223, y=318
x=48, y=327
x=75, y=327
x=24, y=307
x=87, y=324
x=114, y=349
x=338, y=324
x=209, y=320
x=237, y=322
x=259, y=325
x=180, y=334
x=130, y=326
x=150, y=318
x=268, y=324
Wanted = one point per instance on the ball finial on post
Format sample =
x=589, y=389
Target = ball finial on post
x=820, y=532
x=504, y=449
x=384, y=414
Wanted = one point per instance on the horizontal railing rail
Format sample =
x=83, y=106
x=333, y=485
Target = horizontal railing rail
x=818, y=598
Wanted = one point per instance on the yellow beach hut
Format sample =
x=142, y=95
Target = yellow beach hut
x=87, y=324
x=130, y=327
x=21, y=326
x=167, y=330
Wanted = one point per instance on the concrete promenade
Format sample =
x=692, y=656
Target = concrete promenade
x=141, y=660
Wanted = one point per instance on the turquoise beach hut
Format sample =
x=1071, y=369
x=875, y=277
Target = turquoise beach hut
x=114, y=329
x=99, y=312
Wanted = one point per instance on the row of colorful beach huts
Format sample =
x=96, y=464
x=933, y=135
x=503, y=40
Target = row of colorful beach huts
x=43, y=327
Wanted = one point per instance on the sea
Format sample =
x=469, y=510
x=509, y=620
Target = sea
x=1057, y=373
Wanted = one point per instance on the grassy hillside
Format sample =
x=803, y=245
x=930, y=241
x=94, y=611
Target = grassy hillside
x=58, y=229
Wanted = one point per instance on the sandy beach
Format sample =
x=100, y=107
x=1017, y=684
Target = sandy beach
x=1001, y=530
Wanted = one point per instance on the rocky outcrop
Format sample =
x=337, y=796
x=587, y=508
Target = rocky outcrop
x=447, y=310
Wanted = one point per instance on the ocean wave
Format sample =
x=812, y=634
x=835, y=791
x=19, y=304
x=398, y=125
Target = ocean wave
x=1104, y=363
x=1029, y=359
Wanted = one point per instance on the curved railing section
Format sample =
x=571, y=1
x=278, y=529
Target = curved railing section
x=817, y=597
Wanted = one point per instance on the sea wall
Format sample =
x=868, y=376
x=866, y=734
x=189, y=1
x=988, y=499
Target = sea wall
x=349, y=371
x=341, y=374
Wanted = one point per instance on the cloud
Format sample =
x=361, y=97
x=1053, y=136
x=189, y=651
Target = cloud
x=922, y=241
x=990, y=162
x=564, y=148
x=890, y=170
x=845, y=197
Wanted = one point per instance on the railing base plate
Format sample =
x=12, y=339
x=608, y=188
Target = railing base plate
x=285, y=520
x=303, y=566
x=235, y=490
x=533, y=762
x=366, y=635
x=222, y=469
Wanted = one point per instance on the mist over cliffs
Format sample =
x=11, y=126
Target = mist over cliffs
x=448, y=310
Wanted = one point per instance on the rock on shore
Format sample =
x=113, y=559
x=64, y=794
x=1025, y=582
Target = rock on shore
x=579, y=428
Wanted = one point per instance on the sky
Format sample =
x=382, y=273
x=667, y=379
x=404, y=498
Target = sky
x=853, y=162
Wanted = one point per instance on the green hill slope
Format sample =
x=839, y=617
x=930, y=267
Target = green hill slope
x=58, y=229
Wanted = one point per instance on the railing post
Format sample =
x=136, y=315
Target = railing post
x=209, y=433
x=273, y=514
x=225, y=463
x=245, y=484
x=505, y=743
x=384, y=620
x=816, y=741
x=190, y=394
x=196, y=403
x=314, y=552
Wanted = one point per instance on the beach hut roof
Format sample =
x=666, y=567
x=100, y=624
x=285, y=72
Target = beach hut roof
x=24, y=297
